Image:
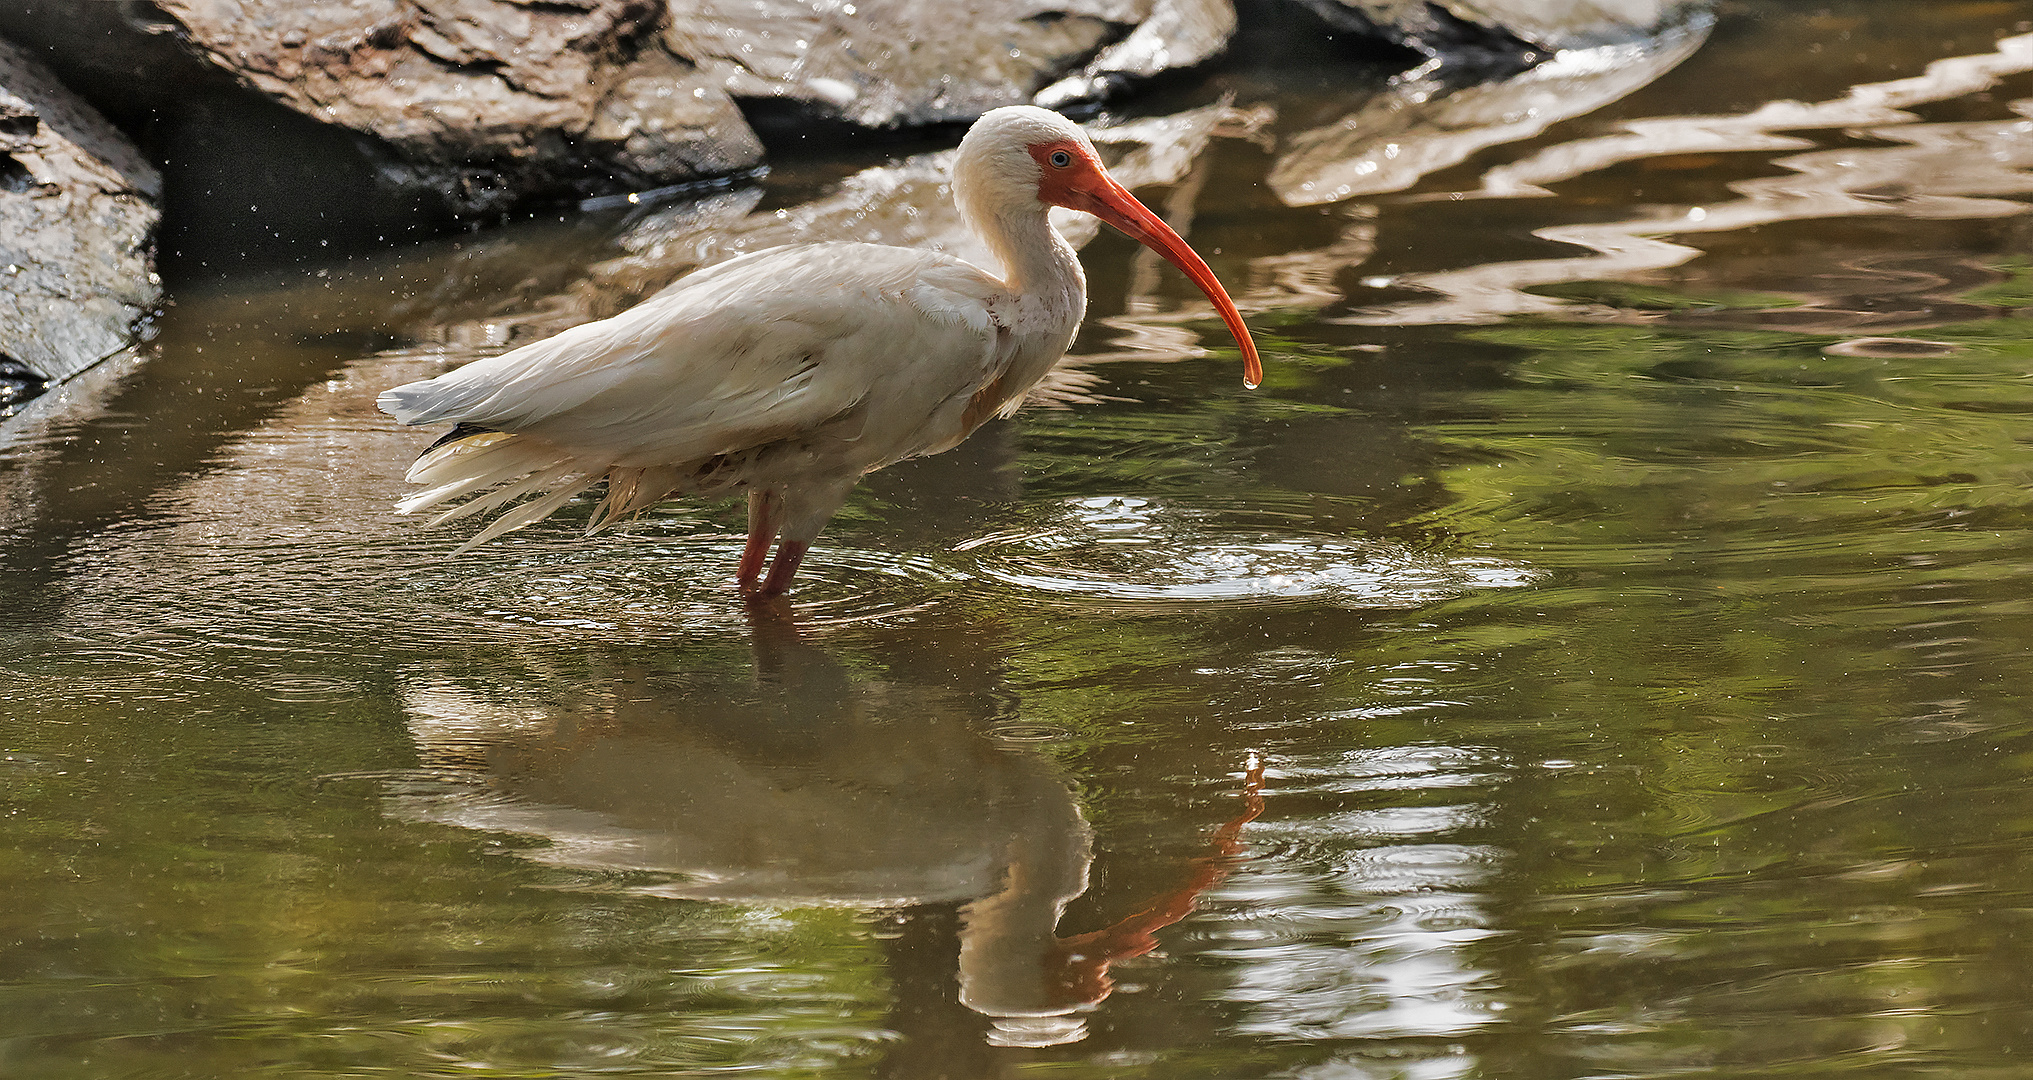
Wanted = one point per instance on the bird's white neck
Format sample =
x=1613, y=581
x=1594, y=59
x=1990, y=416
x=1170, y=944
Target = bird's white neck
x=1036, y=260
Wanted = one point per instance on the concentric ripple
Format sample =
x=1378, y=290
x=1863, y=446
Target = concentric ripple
x=651, y=585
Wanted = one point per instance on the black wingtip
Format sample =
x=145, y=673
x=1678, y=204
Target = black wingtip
x=458, y=432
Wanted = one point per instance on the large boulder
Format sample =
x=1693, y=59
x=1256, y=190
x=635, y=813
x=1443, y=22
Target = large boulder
x=77, y=214
x=1178, y=34
x=491, y=101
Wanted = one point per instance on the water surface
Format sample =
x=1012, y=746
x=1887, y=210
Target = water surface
x=1600, y=648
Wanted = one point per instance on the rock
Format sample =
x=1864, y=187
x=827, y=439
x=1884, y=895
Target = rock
x=492, y=101
x=477, y=106
x=888, y=63
x=1579, y=24
x=1505, y=34
x=77, y=214
x=1179, y=34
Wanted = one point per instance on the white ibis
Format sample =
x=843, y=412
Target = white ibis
x=789, y=373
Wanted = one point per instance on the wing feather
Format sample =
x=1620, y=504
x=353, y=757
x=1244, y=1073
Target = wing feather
x=753, y=350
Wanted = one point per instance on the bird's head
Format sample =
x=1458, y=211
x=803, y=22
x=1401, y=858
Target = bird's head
x=1022, y=158
x=999, y=166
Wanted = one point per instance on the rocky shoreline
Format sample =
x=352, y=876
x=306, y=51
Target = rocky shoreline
x=438, y=112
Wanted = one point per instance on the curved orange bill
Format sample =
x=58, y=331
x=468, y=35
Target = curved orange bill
x=1097, y=193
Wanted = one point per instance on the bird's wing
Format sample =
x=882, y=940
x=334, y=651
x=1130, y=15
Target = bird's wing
x=742, y=353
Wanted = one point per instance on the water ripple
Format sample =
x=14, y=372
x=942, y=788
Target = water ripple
x=1140, y=552
x=653, y=585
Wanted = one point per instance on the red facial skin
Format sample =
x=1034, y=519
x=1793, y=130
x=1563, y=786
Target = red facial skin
x=1074, y=179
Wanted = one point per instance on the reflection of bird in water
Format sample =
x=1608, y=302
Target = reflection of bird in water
x=792, y=372
x=829, y=794
x=1034, y=994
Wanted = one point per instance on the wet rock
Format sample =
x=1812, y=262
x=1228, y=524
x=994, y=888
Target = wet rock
x=1505, y=34
x=248, y=183
x=489, y=100
x=1179, y=34
x=18, y=383
x=77, y=213
x=887, y=63
x=496, y=100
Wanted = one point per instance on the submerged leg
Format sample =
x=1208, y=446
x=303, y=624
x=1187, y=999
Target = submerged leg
x=788, y=555
x=794, y=515
x=762, y=528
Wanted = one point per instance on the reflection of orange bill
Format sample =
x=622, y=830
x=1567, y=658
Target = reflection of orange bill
x=1077, y=967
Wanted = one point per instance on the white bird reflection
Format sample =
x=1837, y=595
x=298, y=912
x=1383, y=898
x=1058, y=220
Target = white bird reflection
x=809, y=789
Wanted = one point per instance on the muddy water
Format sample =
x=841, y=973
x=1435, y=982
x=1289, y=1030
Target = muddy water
x=1599, y=649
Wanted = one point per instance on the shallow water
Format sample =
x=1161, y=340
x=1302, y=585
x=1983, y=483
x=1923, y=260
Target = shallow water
x=1631, y=648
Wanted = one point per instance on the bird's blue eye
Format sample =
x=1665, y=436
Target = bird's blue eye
x=1061, y=159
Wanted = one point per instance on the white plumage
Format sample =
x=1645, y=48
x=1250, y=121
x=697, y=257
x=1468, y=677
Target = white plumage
x=790, y=373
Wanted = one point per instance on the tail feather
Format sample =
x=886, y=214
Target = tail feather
x=430, y=497
x=542, y=481
x=479, y=474
x=461, y=465
x=531, y=512
x=481, y=462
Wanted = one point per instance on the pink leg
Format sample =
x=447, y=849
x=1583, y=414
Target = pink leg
x=788, y=555
x=761, y=530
